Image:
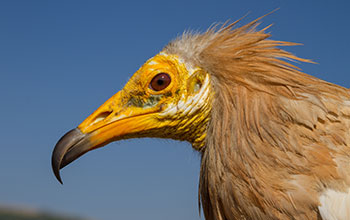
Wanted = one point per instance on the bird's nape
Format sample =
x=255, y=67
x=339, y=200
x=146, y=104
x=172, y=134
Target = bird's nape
x=273, y=140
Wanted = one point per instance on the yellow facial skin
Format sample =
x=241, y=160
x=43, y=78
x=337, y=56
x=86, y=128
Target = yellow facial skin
x=180, y=111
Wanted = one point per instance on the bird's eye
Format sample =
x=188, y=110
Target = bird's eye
x=160, y=82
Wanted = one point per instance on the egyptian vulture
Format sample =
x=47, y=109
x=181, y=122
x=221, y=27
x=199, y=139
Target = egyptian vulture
x=274, y=141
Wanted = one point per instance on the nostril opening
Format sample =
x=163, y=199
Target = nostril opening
x=101, y=116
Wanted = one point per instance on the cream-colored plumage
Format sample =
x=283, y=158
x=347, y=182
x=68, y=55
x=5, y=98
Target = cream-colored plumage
x=278, y=139
x=335, y=205
x=274, y=142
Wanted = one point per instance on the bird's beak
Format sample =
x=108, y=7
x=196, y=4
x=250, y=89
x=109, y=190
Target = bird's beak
x=110, y=122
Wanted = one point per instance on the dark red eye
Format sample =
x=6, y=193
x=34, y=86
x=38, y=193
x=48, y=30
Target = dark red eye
x=160, y=82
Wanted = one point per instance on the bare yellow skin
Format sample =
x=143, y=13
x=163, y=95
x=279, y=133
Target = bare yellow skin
x=180, y=111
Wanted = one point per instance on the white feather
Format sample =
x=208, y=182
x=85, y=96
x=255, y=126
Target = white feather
x=335, y=205
x=189, y=105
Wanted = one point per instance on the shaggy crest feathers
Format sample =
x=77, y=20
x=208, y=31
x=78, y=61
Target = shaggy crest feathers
x=276, y=137
x=274, y=142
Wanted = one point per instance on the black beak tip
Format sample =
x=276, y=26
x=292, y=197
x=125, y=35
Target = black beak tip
x=58, y=160
x=56, y=169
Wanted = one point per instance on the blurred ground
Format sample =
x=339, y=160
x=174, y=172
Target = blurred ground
x=12, y=213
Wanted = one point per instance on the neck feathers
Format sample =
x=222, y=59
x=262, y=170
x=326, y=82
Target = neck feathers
x=271, y=129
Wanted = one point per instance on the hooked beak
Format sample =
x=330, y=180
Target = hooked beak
x=71, y=146
x=110, y=122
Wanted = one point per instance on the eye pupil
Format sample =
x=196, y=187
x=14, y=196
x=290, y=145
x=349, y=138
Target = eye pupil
x=160, y=82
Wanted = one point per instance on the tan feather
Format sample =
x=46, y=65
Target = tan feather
x=277, y=138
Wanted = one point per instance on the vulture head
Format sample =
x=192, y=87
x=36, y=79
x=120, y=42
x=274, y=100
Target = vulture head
x=273, y=140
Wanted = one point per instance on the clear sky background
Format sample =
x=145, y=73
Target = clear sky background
x=60, y=60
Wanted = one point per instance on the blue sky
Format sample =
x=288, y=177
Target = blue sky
x=59, y=60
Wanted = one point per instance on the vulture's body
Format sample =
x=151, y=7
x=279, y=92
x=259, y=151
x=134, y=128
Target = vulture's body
x=275, y=142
